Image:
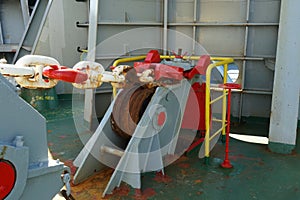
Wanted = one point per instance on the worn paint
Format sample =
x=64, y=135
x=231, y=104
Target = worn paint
x=3, y=152
x=184, y=165
x=121, y=191
x=162, y=178
x=145, y=194
x=252, y=176
x=281, y=148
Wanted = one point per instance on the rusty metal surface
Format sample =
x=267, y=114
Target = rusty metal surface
x=130, y=105
x=129, y=108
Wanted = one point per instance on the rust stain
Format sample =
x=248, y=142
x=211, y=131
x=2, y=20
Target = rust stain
x=160, y=178
x=93, y=187
x=69, y=163
x=3, y=152
x=198, y=181
x=184, y=172
x=128, y=109
x=54, y=154
x=184, y=165
x=121, y=191
x=180, y=159
x=147, y=193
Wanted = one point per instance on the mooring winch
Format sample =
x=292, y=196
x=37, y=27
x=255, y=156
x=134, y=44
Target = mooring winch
x=160, y=106
x=151, y=122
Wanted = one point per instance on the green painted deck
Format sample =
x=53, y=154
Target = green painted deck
x=257, y=172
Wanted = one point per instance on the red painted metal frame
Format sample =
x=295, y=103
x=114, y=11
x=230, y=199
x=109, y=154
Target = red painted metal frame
x=191, y=119
x=152, y=56
x=228, y=86
x=200, y=68
x=64, y=74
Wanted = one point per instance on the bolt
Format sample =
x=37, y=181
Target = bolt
x=19, y=141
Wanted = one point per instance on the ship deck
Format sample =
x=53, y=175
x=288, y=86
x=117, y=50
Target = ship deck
x=257, y=173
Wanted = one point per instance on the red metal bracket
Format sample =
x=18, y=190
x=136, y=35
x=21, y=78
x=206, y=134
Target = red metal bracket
x=64, y=74
x=200, y=68
x=152, y=56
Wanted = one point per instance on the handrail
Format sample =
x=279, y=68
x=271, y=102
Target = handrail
x=135, y=58
x=221, y=62
x=129, y=59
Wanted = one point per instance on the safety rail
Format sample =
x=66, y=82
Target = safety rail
x=221, y=61
x=135, y=58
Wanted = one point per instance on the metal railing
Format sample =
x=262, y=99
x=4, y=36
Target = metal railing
x=220, y=61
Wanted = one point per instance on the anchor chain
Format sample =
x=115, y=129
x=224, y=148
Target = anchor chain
x=36, y=71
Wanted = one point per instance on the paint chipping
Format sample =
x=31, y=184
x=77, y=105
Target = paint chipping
x=3, y=152
x=69, y=163
x=121, y=191
x=184, y=165
x=160, y=178
x=147, y=193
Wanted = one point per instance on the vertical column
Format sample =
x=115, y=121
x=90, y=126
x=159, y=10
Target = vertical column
x=194, y=28
x=89, y=102
x=285, y=99
x=245, y=54
x=25, y=11
x=165, y=34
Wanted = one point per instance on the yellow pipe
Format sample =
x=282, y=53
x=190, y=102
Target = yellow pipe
x=114, y=91
x=224, y=62
x=218, y=98
x=228, y=60
x=207, y=109
x=224, y=100
x=216, y=133
x=216, y=120
x=122, y=60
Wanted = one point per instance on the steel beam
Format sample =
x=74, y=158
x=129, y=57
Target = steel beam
x=89, y=103
x=285, y=99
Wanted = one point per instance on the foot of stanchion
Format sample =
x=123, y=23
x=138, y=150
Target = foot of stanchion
x=226, y=164
x=223, y=138
x=206, y=160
